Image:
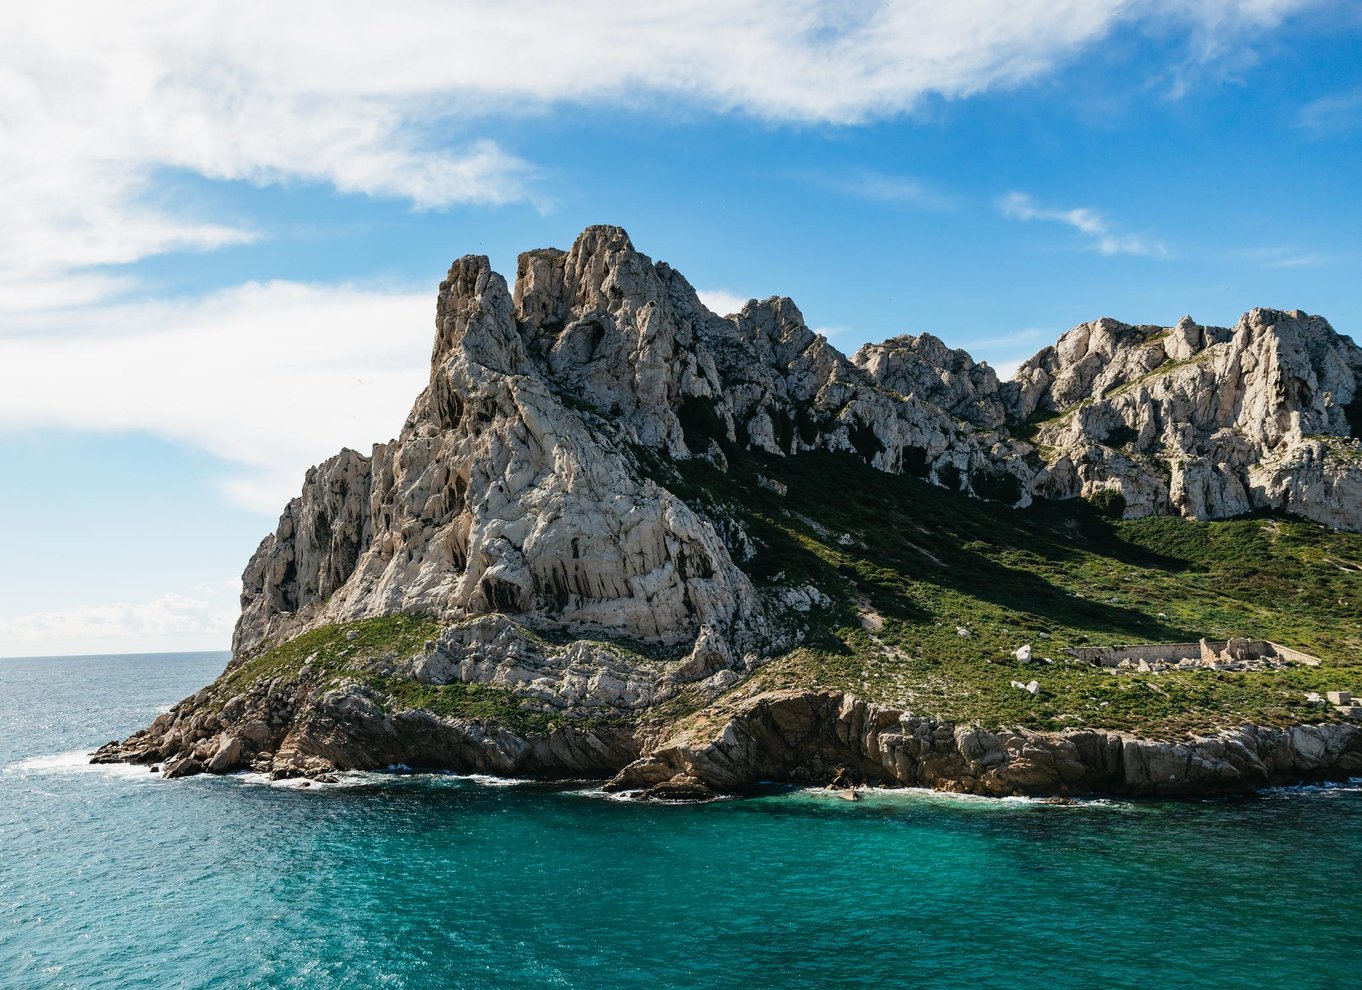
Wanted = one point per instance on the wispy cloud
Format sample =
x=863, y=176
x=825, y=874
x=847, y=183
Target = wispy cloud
x=270, y=377
x=1219, y=36
x=170, y=622
x=722, y=301
x=882, y=187
x=1005, y=352
x=1098, y=232
x=1283, y=256
x=1332, y=114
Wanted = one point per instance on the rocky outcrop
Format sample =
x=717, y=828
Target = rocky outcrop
x=925, y=368
x=532, y=509
x=817, y=738
x=515, y=484
x=814, y=738
x=1205, y=422
x=302, y=727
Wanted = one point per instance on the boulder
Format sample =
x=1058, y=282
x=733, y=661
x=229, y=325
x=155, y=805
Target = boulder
x=186, y=766
x=228, y=757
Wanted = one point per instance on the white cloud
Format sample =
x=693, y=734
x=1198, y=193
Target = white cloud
x=1092, y=225
x=170, y=622
x=886, y=188
x=98, y=100
x=1216, y=35
x=722, y=301
x=1283, y=256
x=1332, y=114
x=271, y=377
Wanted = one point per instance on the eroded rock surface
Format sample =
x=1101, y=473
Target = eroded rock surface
x=819, y=737
x=531, y=506
x=515, y=485
x=1205, y=422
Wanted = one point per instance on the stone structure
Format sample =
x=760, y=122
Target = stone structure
x=1234, y=654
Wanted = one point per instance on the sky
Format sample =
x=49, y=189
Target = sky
x=224, y=224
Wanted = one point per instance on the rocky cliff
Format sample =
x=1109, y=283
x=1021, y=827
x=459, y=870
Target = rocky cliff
x=564, y=512
x=520, y=482
x=1205, y=422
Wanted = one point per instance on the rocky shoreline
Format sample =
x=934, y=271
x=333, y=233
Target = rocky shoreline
x=583, y=554
x=803, y=737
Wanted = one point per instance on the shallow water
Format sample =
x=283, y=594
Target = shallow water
x=113, y=878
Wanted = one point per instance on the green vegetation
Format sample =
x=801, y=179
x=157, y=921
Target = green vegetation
x=907, y=563
x=331, y=653
x=365, y=651
x=1108, y=502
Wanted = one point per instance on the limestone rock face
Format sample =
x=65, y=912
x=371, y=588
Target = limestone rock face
x=519, y=483
x=532, y=506
x=925, y=367
x=1206, y=422
x=516, y=484
x=816, y=737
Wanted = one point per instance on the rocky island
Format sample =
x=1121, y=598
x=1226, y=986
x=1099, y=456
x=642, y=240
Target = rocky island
x=622, y=537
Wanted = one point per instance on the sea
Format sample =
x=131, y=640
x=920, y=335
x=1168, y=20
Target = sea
x=111, y=878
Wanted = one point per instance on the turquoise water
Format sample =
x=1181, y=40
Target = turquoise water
x=113, y=878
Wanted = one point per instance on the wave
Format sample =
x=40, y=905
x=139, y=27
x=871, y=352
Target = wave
x=927, y=795
x=1353, y=785
x=77, y=761
x=358, y=779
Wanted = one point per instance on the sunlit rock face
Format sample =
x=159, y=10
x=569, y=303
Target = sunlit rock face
x=1206, y=422
x=532, y=477
x=516, y=484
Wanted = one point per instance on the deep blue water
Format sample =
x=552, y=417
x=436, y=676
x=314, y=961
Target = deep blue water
x=113, y=878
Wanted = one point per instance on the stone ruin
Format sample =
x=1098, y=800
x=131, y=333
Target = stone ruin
x=1237, y=653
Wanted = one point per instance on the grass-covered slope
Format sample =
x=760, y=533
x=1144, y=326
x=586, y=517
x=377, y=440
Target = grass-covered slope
x=909, y=563
x=368, y=651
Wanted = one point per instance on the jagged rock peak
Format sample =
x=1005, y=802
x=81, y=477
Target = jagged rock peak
x=1207, y=422
x=923, y=366
x=521, y=483
x=515, y=486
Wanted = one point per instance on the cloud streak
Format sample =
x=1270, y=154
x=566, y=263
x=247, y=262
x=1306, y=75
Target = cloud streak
x=170, y=622
x=1333, y=114
x=1096, y=230
x=722, y=301
x=881, y=187
x=270, y=377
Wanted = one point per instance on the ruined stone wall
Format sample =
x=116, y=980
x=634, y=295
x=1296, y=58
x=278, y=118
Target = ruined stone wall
x=1206, y=650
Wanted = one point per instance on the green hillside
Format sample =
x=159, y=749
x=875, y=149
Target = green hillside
x=918, y=562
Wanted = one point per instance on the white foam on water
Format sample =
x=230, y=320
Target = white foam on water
x=1330, y=787
x=599, y=794
x=77, y=762
x=927, y=795
x=358, y=779
x=346, y=780
x=488, y=780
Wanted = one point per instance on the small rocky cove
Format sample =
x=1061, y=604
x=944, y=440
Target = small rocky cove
x=597, y=550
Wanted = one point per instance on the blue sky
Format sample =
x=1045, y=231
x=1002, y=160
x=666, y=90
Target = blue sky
x=225, y=225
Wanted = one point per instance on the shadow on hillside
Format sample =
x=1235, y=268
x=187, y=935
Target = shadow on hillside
x=902, y=529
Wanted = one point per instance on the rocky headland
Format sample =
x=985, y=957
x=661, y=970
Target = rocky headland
x=623, y=537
